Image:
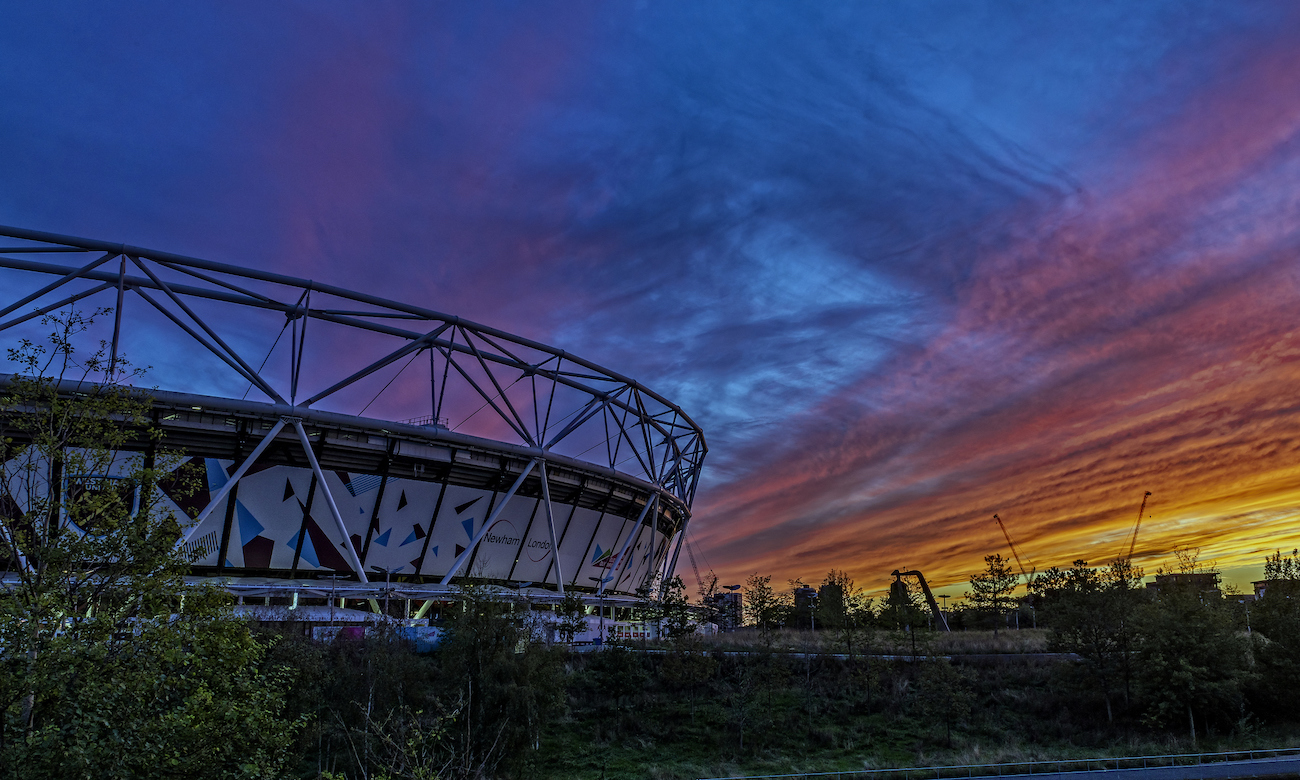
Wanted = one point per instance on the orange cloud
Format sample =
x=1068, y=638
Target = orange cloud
x=1140, y=338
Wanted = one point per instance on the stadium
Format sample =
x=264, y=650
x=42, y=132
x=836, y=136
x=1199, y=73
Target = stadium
x=363, y=448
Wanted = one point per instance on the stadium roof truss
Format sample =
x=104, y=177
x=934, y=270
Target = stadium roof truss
x=342, y=343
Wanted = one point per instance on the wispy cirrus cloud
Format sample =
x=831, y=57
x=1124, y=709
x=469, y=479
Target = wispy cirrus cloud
x=1139, y=342
x=908, y=267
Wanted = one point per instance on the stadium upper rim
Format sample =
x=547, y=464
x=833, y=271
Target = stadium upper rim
x=511, y=389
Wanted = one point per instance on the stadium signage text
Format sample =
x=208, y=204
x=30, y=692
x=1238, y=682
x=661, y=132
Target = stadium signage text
x=500, y=539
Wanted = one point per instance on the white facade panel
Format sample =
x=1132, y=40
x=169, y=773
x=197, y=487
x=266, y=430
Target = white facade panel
x=496, y=552
x=463, y=512
x=533, y=558
x=596, y=565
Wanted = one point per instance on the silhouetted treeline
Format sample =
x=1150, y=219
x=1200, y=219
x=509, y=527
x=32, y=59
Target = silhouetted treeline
x=1175, y=661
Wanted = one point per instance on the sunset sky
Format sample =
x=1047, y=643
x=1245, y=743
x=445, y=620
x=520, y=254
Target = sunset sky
x=907, y=264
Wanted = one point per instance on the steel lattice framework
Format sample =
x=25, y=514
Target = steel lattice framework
x=302, y=347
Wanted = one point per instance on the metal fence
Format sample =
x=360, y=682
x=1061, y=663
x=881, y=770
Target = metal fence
x=1030, y=767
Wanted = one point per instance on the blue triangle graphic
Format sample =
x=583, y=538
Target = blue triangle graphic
x=382, y=539
x=410, y=538
x=435, y=551
x=308, y=551
x=596, y=557
x=216, y=475
x=469, y=527
x=248, y=525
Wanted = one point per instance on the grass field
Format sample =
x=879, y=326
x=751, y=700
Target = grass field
x=705, y=714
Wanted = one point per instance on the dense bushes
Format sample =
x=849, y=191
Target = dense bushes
x=1138, y=669
x=475, y=708
x=688, y=708
x=110, y=665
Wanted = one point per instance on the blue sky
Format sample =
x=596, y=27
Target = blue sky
x=900, y=262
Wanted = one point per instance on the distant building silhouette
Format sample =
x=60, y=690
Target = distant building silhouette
x=729, y=610
x=1203, y=583
x=805, y=601
x=1287, y=587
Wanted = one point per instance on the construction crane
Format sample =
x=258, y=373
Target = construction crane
x=694, y=566
x=1138, y=525
x=929, y=597
x=1015, y=552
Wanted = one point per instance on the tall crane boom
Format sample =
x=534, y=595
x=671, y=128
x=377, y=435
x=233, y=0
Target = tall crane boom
x=695, y=567
x=1014, y=551
x=1136, y=526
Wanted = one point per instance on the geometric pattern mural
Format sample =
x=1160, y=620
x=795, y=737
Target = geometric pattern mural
x=279, y=524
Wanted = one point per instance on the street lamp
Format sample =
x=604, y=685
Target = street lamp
x=333, y=578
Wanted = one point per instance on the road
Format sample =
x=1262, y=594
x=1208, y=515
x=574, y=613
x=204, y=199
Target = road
x=1259, y=767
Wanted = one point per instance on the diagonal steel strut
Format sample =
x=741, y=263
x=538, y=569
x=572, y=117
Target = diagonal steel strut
x=329, y=498
x=550, y=526
x=634, y=533
x=487, y=524
x=238, y=475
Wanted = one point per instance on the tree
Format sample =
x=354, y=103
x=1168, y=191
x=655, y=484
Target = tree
x=112, y=665
x=991, y=589
x=371, y=708
x=1190, y=658
x=572, y=616
x=504, y=683
x=402, y=742
x=675, y=621
x=1090, y=613
x=803, y=606
x=763, y=606
x=1275, y=619
x=666, y=606
x=711, y=609
x=944, y=695
x=649, y=608
x=1282, y=570
x=844, y=610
